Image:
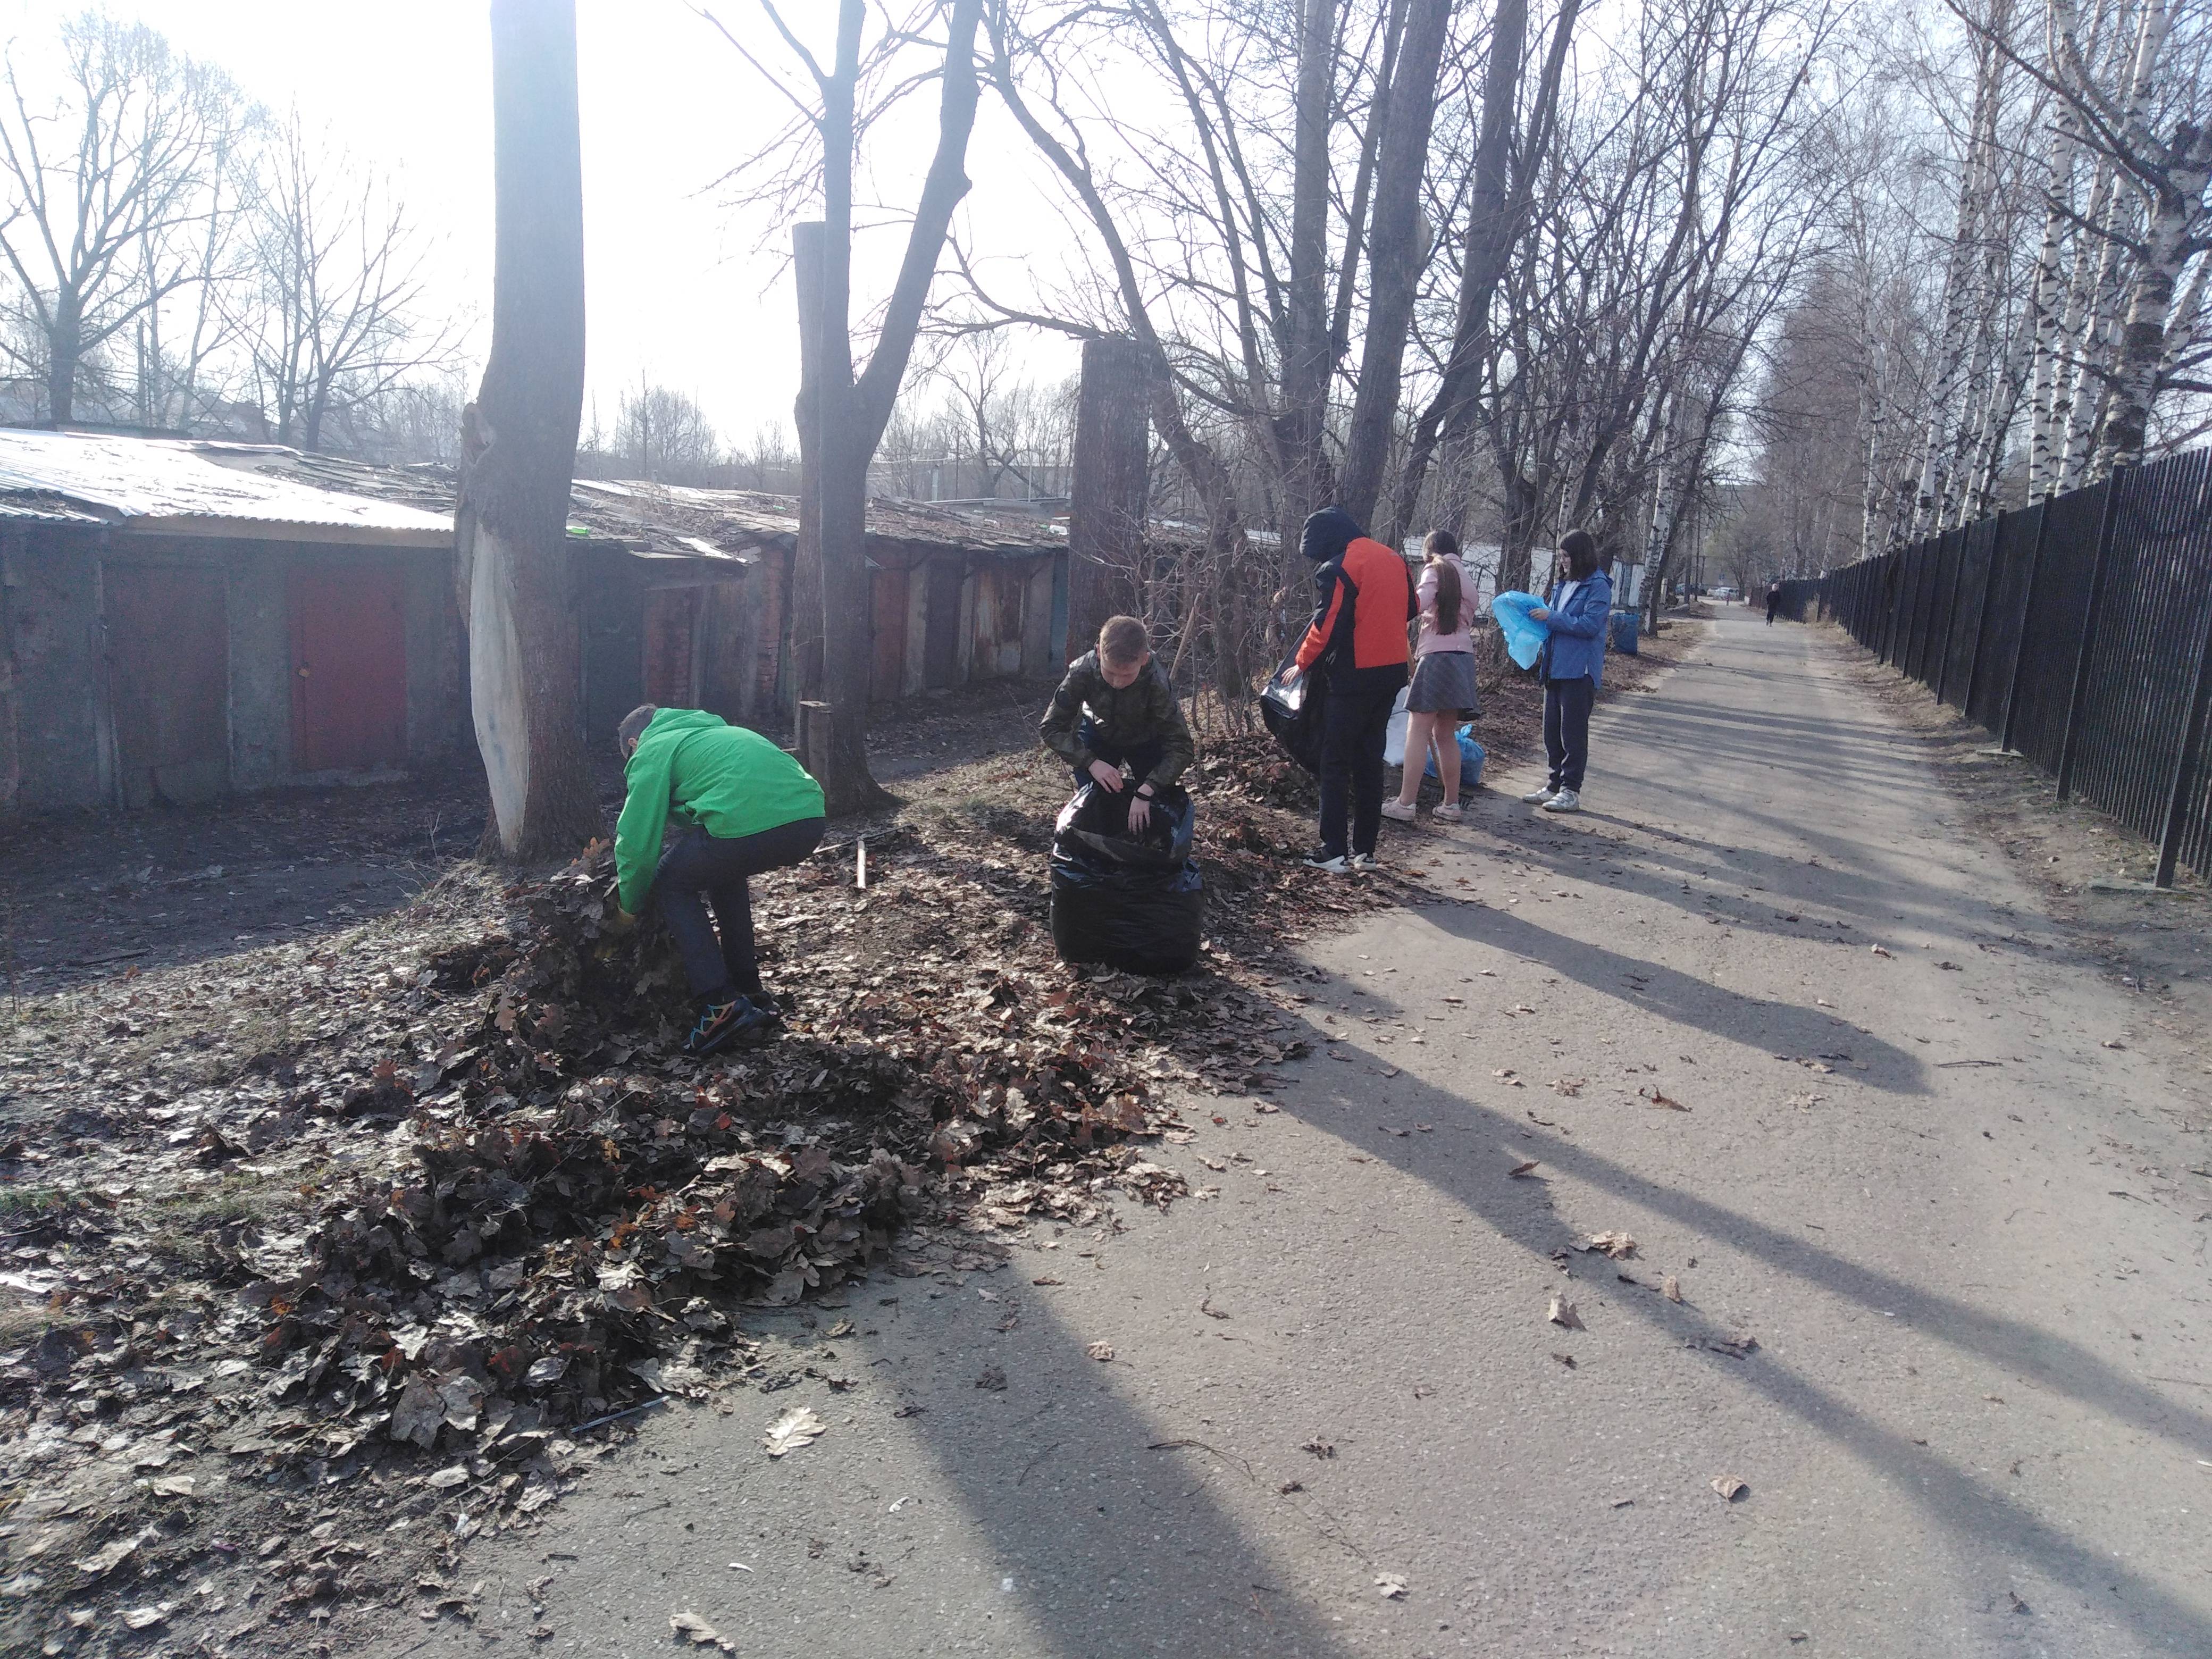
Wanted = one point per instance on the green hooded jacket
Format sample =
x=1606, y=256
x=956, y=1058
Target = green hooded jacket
x=729, y=781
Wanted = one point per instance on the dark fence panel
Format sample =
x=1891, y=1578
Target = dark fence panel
x=2079, y=629
x=2150, y=631
x=2010, y=561
x=1969, y=583
x=2050, y=637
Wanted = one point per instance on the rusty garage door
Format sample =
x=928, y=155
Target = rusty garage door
x=168, y=664
x=349, y=666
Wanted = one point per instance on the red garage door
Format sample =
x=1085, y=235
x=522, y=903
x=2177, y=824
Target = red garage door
x=349, y=667
x=169, y=658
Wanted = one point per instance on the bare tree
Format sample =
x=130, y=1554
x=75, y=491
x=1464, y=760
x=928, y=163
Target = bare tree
x=114, y=166
x=841, y=414
x=519, y=589
x=663, y=435
x=333, y=316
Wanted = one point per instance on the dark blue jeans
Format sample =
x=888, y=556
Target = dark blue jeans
x=1566, y=730
x=719, y=868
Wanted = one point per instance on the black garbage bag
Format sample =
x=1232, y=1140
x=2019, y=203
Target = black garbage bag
x=1289, y=708
x=1132, y=902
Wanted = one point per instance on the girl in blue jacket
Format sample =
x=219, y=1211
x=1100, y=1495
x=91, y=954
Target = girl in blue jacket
x=1572, y=661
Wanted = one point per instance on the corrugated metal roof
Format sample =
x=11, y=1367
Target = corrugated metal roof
x=140, y=485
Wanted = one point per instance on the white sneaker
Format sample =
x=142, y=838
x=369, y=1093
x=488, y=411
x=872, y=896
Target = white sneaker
x=1399, y=812
x=1364, y=861
x=1538, y=797
x=1567, y=800
x=1449, y=814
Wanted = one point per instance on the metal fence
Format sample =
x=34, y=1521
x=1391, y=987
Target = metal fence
x=2078, y=630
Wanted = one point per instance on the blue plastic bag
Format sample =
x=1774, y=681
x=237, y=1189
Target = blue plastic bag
x=1524, y=638
x=1471, y=757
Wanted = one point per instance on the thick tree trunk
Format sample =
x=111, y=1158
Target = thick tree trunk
x=1106, y=497
x=64, y=351
x=1400, y=250
x=519, y=579
x=2166, y=250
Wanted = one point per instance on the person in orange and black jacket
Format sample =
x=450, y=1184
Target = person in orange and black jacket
x=1359, y=637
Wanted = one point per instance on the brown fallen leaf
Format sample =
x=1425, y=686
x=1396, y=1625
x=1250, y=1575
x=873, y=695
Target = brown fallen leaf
x=1522, y=1169
x=1566, y=1359
x=1562, y=1312
x=993, y=1378
x=1659, y=1099
x=1671, y=1288
x=796, y=1427
x=1569, y=1085
x=699, y=1633
x=1619, y=1246
x=1730, y=1487
x=1877, y=949
x=1101, y=1351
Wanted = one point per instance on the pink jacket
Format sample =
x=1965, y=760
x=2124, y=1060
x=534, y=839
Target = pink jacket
x=1431, y=641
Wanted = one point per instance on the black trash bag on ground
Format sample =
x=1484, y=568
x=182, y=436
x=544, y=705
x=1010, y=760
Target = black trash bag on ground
x=1289, y=708
x=1136, y=903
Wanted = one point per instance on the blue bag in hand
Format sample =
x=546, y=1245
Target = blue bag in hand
x=1524, y=637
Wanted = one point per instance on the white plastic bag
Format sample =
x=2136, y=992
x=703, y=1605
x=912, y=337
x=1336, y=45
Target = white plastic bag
x=1394, y=746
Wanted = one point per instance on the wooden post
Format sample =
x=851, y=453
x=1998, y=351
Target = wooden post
x=811, y=736
x=1106, y=495
x=2189, y=764
x=2081, y=692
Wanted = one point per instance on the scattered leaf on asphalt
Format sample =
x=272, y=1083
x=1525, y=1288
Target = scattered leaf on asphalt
x=1619, y=1246
x=993, y=1378
x=700, y=1633
x=1877, y=949
x=1100, y=1351
x=1562, y=1312
x=1566, y=1359
x=796, y=1427
x=2112, y=1044
x=142, y=1617
x=1730, y=1487
x=1671, y=1288
x=1522, y=1169
x=1318, y=1448
x=1569, y=1085
x=1660, y=1097
x=1392, y=1585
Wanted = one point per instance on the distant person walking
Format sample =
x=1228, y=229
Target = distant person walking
x=1572, y=662
x=1359, y=636
x=1444, y=679
x=1773, y=600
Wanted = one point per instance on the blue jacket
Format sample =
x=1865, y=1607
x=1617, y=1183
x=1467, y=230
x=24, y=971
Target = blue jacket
x=1576, y=647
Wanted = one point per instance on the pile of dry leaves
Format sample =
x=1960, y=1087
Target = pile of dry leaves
x=443, y=1186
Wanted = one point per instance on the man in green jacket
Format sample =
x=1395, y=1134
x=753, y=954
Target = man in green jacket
x=749, y=807
x=1115, y=708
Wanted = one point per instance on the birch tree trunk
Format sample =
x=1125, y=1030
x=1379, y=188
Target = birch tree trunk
x=2045, y=304
x=2166, y=249
x=518, y=576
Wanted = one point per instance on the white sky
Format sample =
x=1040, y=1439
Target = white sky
x=680, y=288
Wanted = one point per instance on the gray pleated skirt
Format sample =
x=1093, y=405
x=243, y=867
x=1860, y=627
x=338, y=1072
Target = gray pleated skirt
x=1443, y=683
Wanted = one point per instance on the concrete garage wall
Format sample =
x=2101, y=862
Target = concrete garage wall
x=53, y=753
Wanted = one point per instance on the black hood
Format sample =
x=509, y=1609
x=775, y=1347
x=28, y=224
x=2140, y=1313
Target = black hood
x=1327, y=533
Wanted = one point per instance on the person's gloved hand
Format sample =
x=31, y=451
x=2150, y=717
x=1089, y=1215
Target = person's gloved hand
x=617, y=922
x=1107, y=778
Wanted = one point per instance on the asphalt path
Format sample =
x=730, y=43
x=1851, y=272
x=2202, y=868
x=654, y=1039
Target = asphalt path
x=1920, y=1176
